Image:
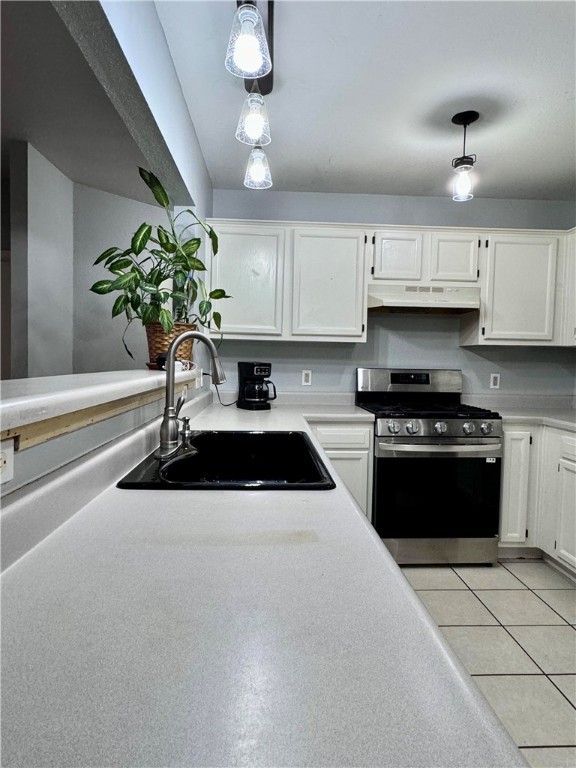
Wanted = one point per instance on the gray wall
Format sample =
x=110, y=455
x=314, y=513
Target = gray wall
x=41, y=261
x=50, y=268
x=102, y=220
x=387, y=209
x=411, y=341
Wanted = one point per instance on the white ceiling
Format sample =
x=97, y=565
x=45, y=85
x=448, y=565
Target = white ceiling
x=364, y=92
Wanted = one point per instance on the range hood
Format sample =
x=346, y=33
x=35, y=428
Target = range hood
x=422, y=298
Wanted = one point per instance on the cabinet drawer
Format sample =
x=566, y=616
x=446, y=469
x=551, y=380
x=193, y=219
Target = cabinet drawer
x=568, y=448
x=349, y=437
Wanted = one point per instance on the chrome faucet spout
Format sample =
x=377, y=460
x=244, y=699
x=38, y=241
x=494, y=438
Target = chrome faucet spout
x=169, y=437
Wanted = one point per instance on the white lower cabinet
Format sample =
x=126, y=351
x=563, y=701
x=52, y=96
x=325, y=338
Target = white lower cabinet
x=514, y=495
x=349, y=446
x=557, y=496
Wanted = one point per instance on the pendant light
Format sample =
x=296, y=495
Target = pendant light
x=258, y=171
x=248, y=55
x=253, y=125
x=463, y=165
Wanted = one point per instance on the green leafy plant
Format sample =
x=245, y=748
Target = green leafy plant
x=157, y=276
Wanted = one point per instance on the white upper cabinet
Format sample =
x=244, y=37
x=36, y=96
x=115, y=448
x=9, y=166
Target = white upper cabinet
x=518, y=288
x=426, y=256
x=250, y=267
x=397, y=255
x=566, y=294
x=454, y=256
x=305, y=283
x=521, y=287
x=329, y=282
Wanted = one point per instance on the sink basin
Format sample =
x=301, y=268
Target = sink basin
x=250, y=461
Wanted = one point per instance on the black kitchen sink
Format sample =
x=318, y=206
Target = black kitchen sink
x=282, y=461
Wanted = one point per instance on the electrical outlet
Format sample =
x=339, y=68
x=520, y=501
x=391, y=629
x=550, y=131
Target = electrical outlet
x=306, y=378
x=494, y=381
x=6, y=460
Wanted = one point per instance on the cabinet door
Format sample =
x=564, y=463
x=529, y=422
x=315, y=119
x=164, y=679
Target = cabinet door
x=398, y=255
x=566, y=536
x=353, y=467
x=329, y=283
x=454, y=256
x=521, y=283
x=515, y=478
x=567, y=291
x=250, y=267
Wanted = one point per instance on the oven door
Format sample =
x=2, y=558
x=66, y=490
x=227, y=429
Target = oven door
x=431, y=490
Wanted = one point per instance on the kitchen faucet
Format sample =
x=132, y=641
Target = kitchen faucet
x=170, y=442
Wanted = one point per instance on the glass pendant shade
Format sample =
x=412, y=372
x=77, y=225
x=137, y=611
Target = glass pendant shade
x=258, y=171
x=462, y=190
x=248, y=55
x=253, y=126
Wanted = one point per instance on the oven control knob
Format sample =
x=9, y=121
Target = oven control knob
x=440, y=427
x=412, y=428
x=486, y=427
x=393, y=427
x=468, y=427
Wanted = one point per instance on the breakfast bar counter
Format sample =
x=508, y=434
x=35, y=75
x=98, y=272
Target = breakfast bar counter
x=230, y=628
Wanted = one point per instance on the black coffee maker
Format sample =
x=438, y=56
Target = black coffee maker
x=254, y=386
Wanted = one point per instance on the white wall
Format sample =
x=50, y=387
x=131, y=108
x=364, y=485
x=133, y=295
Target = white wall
x=102, y=220
x=388, y=209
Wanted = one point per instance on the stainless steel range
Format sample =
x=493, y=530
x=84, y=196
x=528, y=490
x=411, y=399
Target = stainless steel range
x=437, y=465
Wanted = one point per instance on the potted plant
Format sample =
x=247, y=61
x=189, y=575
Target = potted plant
x=158, y=278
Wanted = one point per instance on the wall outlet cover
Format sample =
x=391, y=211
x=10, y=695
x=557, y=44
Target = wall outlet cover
x=6, y=460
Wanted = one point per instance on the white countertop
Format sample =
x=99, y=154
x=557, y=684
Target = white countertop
x=561, y=419
x=230, y=628
x=25, y=401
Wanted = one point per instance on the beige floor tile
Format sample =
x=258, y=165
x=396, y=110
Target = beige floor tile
x=518, y=607
x=567, y=684
x=539, y=576
x=489, y=651
x=432, y=577
x=562, y=600
x=496, y=577
x=551, y=757
x=552, y=648
x=455, y=607
x=534, y=712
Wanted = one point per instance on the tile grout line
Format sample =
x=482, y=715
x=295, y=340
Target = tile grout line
x=542, y=673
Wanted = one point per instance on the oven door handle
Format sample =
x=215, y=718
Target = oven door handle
x=494, y=449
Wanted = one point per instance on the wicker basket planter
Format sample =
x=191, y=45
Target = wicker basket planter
x=159, y=341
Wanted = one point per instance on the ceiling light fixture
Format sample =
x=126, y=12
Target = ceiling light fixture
x=248, y=55
x=464, y=164
x=258, y=171
x=253, y=125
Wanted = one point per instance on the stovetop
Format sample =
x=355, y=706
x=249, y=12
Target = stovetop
x=423, y=403
x=423, y=410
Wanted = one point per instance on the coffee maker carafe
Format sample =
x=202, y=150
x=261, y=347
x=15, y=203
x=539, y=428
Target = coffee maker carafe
x=255, y=390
